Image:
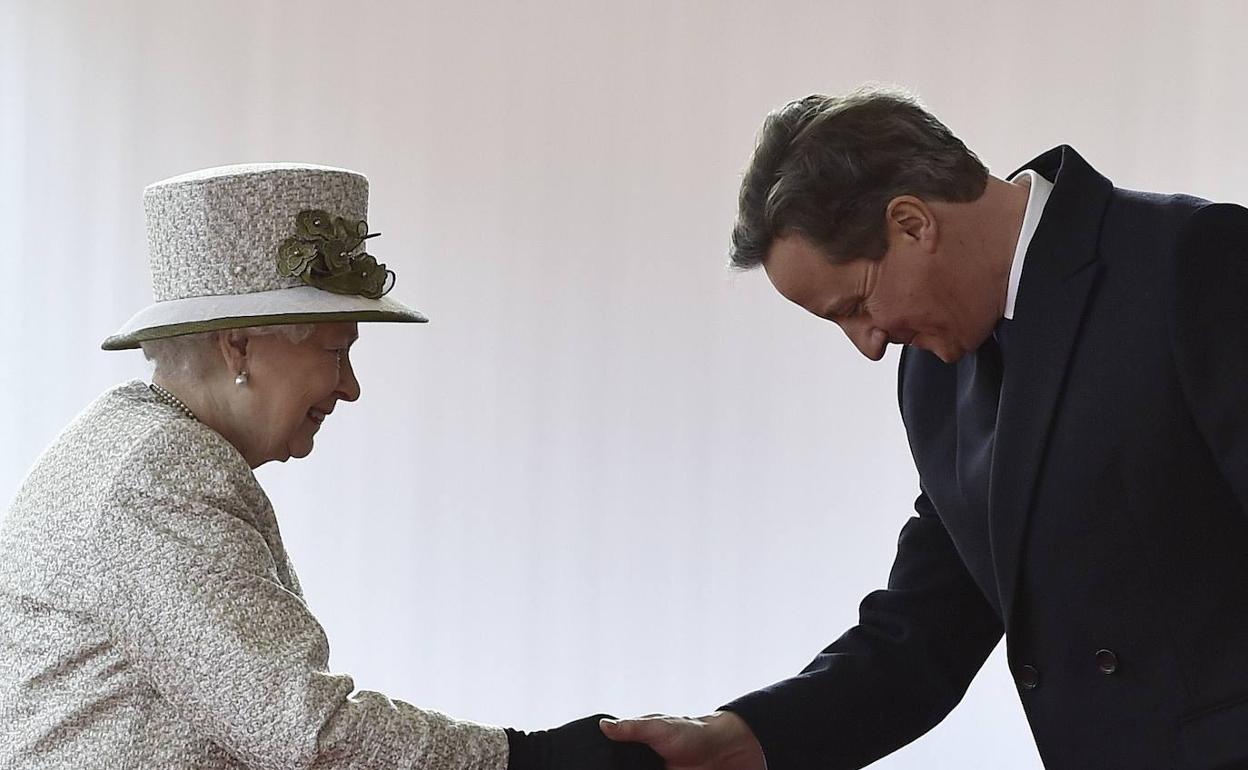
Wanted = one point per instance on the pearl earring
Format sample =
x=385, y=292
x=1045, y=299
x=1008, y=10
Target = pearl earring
x=241, y=379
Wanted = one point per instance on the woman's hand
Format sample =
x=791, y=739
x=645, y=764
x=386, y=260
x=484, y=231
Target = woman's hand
x=578, y=745
x=720, y=741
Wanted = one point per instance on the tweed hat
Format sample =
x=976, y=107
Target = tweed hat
x=259, y=244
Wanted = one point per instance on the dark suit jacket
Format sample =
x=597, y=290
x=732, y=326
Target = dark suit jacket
x=1114, y=554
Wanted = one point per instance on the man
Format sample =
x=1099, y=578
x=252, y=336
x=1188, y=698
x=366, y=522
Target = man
x=1073, y=386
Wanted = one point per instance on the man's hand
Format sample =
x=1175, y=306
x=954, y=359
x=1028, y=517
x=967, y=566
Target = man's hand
x=720, y=741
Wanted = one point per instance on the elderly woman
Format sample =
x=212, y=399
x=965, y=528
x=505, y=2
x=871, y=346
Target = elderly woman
x=149, y=615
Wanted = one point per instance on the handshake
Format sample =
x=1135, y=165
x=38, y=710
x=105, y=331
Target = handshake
x=579, y=745
x=721, y=741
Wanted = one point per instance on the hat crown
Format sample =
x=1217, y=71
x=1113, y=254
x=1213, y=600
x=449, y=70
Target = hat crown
x=217, y=231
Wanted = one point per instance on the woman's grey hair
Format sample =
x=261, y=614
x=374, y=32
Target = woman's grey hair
x=825, y=167
x=192, y=355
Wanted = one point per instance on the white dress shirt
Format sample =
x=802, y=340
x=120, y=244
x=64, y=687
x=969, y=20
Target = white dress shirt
x=1036, y=198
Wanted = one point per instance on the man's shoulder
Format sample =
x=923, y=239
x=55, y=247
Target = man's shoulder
x=1176, y=205
x=1171, y=226
x=1142, y=228
x=1211, y=254
x=1217, y=222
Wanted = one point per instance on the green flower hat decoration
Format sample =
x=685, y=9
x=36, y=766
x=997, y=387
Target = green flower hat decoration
x=322, y=254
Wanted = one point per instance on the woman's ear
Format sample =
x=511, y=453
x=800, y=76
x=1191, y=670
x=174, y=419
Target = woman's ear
x=233, y=344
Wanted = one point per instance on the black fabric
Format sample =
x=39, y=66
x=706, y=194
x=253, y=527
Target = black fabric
x=1117, y=494
x=979, y=393
x=578, y=745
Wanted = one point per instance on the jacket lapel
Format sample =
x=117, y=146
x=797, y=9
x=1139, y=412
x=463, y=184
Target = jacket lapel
x=1058, y=276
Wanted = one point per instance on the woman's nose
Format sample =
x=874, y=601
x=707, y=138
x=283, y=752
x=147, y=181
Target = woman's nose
x=348, y=385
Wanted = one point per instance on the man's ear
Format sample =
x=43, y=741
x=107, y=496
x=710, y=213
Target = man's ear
x=233, y=344
x=910, y=220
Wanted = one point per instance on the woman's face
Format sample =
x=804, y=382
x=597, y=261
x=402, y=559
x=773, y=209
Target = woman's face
x=293, y=387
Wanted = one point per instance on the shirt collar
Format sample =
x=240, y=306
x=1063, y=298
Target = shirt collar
x=1036, y=198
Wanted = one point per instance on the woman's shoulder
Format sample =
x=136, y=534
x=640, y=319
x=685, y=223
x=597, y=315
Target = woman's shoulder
x=130, y=443
x=166, y=452
x=125, y=457
x=137, y=426
x=126, y=469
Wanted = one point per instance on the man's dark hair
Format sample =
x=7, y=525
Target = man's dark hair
x=825, y=167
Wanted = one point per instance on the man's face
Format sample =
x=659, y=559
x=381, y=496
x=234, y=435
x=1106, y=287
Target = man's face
x=909, y=296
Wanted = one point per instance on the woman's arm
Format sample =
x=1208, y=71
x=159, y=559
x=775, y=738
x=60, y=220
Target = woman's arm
x=190, y=591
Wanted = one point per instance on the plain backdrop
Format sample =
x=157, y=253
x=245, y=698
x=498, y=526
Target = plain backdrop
x=611, y=475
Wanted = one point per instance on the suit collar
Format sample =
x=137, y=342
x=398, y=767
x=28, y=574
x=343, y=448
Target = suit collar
x=1067, y=234
x=1058, y=277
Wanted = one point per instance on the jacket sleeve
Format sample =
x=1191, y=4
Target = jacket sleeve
x=892, y=677
x=189, y=590
x=1209, y=328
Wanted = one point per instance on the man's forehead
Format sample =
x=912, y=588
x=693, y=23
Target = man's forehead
x=802, y=273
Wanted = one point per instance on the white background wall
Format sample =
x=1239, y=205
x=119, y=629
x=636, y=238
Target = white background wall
x=610, y=475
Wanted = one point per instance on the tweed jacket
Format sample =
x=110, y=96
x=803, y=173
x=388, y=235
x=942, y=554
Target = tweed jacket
x=150, y=618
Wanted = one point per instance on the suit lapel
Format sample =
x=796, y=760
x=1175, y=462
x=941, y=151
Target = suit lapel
x=1058, y=277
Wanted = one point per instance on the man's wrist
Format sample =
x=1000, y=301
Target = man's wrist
x=737, y=747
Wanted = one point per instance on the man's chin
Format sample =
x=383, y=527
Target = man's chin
x=949, y=356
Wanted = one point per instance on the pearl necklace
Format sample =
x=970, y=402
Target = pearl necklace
x=172, y=400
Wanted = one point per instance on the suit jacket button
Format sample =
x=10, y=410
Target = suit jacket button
x=1106, y=661
x=1028, y=677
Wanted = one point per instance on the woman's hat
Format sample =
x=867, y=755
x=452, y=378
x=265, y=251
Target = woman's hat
x=260, y=244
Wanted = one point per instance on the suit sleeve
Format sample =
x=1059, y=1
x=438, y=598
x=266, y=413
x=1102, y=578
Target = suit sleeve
x=1209, y=326
x=189, y=591
x=892, y=677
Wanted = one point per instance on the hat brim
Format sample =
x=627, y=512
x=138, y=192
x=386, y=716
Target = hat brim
x=297, y=305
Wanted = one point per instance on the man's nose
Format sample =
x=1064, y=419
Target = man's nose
x=869, y=340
